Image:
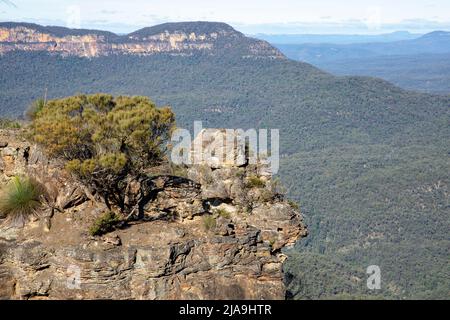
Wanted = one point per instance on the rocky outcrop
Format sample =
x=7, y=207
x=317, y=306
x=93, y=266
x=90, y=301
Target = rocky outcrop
x=170, y=38
x=204, y=234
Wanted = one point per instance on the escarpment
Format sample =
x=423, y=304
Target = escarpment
x=185, y=39
x=203, y=232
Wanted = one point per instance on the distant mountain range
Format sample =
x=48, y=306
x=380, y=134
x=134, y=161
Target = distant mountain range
x=415, y=64
x=335, y=38
x=428, y=72
x=367, y=161
x=435, y=42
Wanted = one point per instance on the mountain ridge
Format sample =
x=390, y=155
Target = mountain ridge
x=335, y=38
x=54, y=30
x=419, y=64
x=188, y=27
x=316, y=53
x=173, y=38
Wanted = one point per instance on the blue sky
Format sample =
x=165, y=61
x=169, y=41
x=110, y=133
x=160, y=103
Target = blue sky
x=248, y=16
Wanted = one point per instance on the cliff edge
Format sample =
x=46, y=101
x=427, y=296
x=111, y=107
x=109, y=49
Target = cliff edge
x=181, y=38
x=204, y=233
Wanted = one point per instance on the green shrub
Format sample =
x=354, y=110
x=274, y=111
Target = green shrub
x=105, y=141
x=267, y=195
x=247, y=209
x=223, y=213
x=272, y=242
x=104, y=224
x=209, y=222
x=21, y=198
x=293, y=204
x=255, y=182
x=240, y=173
x=179, y=170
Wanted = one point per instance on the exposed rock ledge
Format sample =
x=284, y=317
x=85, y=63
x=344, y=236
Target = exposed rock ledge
x=182, y=38
x=166, y=254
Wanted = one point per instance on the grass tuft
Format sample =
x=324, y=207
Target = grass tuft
x=294, y=205
x=209, y=222
x=255, y=182
x=21, y=199
x=223, y=213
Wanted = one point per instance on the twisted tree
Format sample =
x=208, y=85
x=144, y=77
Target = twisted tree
x=107, y=142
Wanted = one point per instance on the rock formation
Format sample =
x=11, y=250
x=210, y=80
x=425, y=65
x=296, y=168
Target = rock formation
x=171, y=38
x=207, y=235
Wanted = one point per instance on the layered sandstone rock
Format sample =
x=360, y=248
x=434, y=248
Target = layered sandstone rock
x=171, y=38
x=167, y=252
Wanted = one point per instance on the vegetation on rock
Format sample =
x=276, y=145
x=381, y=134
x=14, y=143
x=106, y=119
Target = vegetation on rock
x=255, y=182
x=221, y=212
x=209, y=222
x=6, y=123
x=106, y=142
x=35, y=108
x=294, y=205
x=104, y=224
x=21, y=199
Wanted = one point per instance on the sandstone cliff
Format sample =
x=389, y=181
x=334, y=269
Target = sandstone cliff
x=170, y=38
x=167, y=252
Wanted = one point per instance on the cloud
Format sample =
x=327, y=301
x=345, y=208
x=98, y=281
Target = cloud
x=350, y=26
x=342, y=27
x=115, y=27
x=108, y=12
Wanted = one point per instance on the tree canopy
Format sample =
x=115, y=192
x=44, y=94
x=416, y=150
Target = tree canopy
x=104, y=140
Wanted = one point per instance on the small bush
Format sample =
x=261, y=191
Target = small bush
x=106, y=142
x=223, y=213
x=21, y=198
x=293, y=204
x=267, y=195
x=247, y=209
x=272, y=242
x=209, y=222
x=104, y=224
x=240, y=173
x=179, y=171
x=255, y=182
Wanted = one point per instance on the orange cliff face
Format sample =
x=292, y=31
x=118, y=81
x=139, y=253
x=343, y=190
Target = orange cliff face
x=93, y=45
x=90, y=43
x=22, y=38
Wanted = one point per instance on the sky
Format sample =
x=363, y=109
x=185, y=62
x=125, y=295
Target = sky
x=248, y=16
